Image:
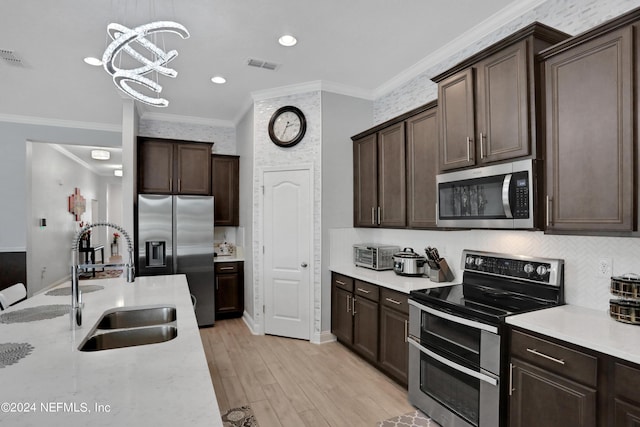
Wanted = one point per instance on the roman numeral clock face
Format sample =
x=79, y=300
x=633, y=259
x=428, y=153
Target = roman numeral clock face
x=287, y=126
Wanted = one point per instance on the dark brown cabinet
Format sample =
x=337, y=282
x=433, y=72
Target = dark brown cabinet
x=225, y=188
x=373, y=322
x=174, y=167
x=394, y=324
x=229, y=296
x=380, y=178
x=626, y=399
x=394, y=169
x=590, y=124
x=551, y=384
x=422, y=168
x=488, y=104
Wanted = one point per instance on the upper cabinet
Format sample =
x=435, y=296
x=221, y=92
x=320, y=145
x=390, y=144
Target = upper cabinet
x=174, y=167
x=488, y=104
x=590, y=116
x=225, y=188
x=394, y=167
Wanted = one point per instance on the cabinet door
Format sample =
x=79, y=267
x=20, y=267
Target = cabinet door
x=394, y=349
x=227, y=293
x=155, y=167
x=422, y=168
x=193, y=169
x=626, y=415
x=392, y=191
x=365, y=182
x=341, y=317
x=589, y=135
x=365, y=328
x=225, y=188
x=502, y=112
x=457, y=121
x=541, y=398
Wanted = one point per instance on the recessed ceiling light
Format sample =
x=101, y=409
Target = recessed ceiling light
x=117, y=172
x=93, y=61
x=218, y=80
x=100, y=154
x=287, y=40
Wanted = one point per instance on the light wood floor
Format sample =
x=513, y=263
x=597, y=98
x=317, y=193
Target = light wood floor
x=289, y=382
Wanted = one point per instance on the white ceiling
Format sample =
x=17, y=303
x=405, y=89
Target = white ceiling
x=362, y=46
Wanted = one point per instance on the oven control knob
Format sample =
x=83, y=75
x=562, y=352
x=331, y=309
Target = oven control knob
x=528, y=268
x=469, y=260
x=541, y=270
x=479, y=261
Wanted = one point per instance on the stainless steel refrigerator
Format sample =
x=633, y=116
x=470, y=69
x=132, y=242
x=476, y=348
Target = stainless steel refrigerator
x=175, y=236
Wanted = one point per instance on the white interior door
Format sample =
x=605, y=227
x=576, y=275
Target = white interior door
x=287, y=231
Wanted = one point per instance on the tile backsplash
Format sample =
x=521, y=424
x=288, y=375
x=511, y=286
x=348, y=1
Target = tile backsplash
x=583, y=285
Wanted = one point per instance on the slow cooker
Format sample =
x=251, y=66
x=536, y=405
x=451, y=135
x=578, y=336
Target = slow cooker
x=408, y=263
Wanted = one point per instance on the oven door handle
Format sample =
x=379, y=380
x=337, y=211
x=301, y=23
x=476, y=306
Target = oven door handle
x=453, y=365
x=455, y=319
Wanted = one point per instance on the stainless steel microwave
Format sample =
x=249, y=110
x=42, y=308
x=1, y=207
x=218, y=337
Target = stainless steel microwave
x=497, y=196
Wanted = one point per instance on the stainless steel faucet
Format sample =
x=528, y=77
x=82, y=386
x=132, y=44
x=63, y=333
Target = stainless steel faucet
x=77, y=268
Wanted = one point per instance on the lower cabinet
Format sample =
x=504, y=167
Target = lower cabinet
x=554, y=383
x=372, y=321
x=229, y=289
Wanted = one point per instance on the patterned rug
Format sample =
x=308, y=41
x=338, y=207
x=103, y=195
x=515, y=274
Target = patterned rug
x=107, y=274
x=411, y=419
x=239, y=417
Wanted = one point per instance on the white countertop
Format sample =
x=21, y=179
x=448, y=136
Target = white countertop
x=387, y=278
x=165, y=384
x=227, y=258
x=585, y=327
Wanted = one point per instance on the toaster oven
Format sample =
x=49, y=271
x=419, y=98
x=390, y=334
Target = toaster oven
x=374, y=256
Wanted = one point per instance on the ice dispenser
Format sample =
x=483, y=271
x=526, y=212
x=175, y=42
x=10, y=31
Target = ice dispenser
x=156, y=254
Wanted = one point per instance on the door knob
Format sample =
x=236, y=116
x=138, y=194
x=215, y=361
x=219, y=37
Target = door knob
x=303, y=265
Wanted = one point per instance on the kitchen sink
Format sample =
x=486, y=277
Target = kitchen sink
x=136, y=317
x=130, y=337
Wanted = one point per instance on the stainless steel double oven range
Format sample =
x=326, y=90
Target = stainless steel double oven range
x=458, y=370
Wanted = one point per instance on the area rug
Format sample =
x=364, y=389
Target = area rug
x=239, y=417
x=411, y=419
x=107, y=274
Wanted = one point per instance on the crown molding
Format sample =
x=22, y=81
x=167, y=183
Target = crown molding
x=174, y=118
x=313, y=86
x=483, y=29
x=42, y=121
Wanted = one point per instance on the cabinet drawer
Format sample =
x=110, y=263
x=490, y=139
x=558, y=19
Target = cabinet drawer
x=395, y=300
x=343, y=282
x=226, y=267
x=627, y=379
x=366, y=290
x=567, y=362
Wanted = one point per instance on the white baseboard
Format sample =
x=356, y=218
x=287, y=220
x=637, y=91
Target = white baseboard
x=248, y=320
x=323, y=337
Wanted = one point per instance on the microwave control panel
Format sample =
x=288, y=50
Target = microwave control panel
x=519, y=195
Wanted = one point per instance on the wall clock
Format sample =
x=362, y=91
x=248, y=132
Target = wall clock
x=287, y=126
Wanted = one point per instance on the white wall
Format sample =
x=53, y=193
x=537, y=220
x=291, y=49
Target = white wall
x=244, y=148
x=342, y=117
x=54, y=177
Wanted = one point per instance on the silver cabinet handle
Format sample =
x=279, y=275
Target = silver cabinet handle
x=226, y=268
x=549, y=213
x=179, y=185
x=353, y=306
x=406, y=331
x=481, y=145
x=393, y=301
x=364, y=291
x=373, y=215
x=303, y=265
x=348, y=303
x=340, y=282
x=511, y=389
x=537, y=353
x=379, y=215
x=468, y=149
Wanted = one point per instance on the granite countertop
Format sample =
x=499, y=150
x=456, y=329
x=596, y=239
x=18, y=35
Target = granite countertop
x=387, y=278
x=585, y=327
x=165, y=384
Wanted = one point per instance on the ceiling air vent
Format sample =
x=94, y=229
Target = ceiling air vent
x=259, y=63
x=10, y=57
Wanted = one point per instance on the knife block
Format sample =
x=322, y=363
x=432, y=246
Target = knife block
x=439, y=271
